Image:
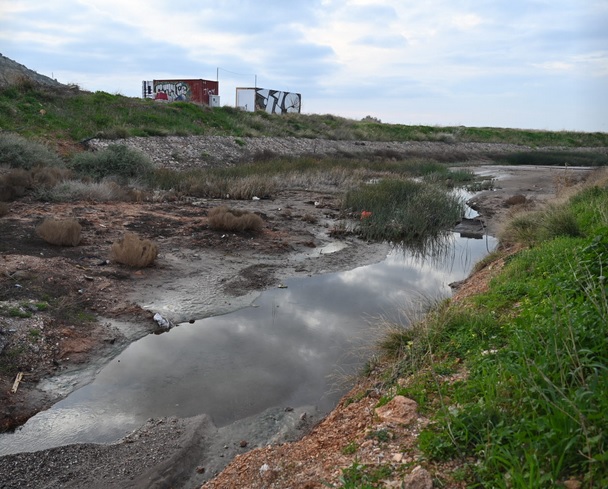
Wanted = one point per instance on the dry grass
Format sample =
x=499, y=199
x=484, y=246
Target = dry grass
x=133, y=251
x=225, y=219
x=61, y=232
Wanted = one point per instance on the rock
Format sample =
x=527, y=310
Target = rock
x=399, y=410
x=243, y=443
x=418, y=479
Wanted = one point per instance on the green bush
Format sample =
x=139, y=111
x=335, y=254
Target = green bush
x=18, y=152
x=116, y=160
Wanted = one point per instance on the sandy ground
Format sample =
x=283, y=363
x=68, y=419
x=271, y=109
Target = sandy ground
x=58, y=351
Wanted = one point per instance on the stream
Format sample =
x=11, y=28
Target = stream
x=294, y=346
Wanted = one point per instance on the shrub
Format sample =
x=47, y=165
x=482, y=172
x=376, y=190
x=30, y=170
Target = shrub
x=62, y=232
x=14, y=184
x=133, y=251
x=18, y=152
x=116, y=159
x=72, y=190
x=48, y=177
x=225, y=219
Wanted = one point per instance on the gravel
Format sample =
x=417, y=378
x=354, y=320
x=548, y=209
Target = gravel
x=185, y=152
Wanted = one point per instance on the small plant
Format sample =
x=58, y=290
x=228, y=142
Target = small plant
x=382, y=435
x=61, y=232
x=350, y=449
x=225, y=219
x=133, y=251
x=19, y=312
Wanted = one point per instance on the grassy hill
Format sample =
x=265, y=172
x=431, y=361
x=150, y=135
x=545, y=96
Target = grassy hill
x=68, y=114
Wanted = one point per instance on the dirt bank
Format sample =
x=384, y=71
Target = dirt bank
x=55, y=340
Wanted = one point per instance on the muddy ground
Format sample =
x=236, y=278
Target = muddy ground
x=65, y=311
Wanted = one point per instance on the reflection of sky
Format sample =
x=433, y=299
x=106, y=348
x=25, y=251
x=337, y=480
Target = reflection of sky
x=279, y=353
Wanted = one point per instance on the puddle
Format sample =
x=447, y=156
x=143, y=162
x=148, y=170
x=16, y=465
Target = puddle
x=290, y=348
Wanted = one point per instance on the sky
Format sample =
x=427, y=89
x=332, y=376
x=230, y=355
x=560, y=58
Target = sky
x=534, y=64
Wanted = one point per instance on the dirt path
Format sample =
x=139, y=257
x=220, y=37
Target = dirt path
x=232, y=270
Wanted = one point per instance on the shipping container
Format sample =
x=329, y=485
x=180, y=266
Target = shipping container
x=271, y=101
x=198, y=91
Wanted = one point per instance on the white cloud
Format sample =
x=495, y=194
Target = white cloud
x=430, y=60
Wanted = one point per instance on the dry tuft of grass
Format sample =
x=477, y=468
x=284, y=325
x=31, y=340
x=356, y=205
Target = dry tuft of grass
x=133, y=251
x=225, y=219
x=61, y=232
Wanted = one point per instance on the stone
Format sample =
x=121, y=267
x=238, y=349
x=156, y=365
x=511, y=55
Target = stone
x=399, y=410
x=418, y=479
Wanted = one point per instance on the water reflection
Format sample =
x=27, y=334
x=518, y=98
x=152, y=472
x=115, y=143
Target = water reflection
x=282, y=352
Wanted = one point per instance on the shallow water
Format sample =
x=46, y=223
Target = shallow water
x=289, y=348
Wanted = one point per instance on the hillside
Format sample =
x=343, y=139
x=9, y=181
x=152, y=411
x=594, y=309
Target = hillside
x=13, y=73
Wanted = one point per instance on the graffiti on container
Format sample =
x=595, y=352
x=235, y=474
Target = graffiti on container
x=277, y=102
x=172, y=91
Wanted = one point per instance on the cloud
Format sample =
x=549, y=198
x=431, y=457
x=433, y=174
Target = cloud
x=388, y=51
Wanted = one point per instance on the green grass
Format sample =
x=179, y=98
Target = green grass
x=403, y=211
x=60, y=114
x=532, y=410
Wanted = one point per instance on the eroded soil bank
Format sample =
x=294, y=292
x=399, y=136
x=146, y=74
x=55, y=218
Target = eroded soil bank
x=232, y=270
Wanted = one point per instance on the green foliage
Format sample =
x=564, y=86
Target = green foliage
x=361, y=476
x=115, y=160
x=18, y=152
x=531, y=412
x=350, y=449
x=403, y=211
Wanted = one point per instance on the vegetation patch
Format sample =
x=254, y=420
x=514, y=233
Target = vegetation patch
x=61, y=232
x=515, y=380
x=133, y=251
x=225, y=219
x=116, y=160
x=403, y=210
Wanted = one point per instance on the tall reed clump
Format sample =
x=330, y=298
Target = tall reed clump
x=133, y=251
x=225, y=219
x=61, y=232
x=403, y=210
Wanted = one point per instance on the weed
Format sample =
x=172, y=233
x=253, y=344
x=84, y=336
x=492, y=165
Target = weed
x=61, y=232
x=225, y=219
x=361, y=476
x=19, y=312
x=133, y=251
x=382, y=435
x=350, y=449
